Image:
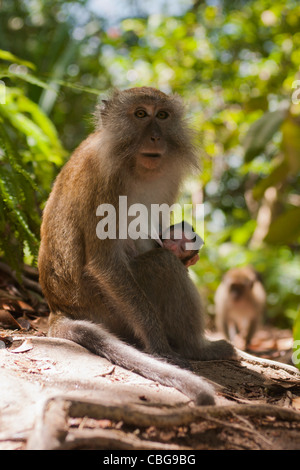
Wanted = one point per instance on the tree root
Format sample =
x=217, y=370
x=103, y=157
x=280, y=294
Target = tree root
x=52, y=431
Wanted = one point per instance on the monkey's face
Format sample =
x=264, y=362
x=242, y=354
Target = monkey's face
x=152, y=122
x=148, y=131
x=239, y=285
x=238, y=290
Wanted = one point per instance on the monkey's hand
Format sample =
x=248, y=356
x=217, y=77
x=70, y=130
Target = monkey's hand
x=192, y=261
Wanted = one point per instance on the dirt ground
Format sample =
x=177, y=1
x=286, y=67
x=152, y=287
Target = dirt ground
x=56, y=395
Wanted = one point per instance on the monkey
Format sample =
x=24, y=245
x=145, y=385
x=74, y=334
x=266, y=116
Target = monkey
x=176, y=239
x=96, y=286
x=240, y=302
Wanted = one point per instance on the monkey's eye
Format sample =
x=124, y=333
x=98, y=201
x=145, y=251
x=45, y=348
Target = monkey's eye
x=162, y=115
x=140, y=113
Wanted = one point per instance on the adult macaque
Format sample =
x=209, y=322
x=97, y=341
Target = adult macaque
x=177, y=240
x=96, y=287
x=240, y=301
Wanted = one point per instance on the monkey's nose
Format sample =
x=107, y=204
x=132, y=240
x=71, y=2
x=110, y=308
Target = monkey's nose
x=155, y=138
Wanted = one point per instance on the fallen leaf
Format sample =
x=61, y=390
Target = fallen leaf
x=25, y=306
x=8, y=321
x=6, y=306
x=25, y=346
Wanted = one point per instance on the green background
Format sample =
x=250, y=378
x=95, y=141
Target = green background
x=236, y=64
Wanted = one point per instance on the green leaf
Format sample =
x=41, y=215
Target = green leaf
x=286, y=228
x=40, y=118
x=296, y=329
x=278, y=174
x=30, y=79
x=291, y=143
x=296, y=335
x=9, y=154
x=261, y=132
x=12, y=204
x=242, y=235
x=76, y=86
x=6, y=55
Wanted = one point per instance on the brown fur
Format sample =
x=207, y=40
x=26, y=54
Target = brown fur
x=240, y=302
x=98, y=290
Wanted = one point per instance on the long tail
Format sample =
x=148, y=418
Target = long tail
x=99, y=341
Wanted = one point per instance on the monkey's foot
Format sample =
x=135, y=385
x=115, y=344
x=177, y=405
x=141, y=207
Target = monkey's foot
x=217, y=350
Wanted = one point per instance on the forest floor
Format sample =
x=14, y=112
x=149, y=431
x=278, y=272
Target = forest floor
x=56, y=395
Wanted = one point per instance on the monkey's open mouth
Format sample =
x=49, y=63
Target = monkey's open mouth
x=151, y=155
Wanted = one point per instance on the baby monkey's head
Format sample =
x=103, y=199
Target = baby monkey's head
x=177, y=239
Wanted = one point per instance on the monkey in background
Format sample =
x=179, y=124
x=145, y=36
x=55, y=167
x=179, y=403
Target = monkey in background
x=98, y=289
x=240, y=302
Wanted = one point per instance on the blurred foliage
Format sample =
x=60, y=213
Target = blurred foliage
x=236, y=63
x=296, y=345
x=29, y=152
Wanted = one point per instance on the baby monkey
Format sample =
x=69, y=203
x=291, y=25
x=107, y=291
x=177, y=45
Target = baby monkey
x=178, y=238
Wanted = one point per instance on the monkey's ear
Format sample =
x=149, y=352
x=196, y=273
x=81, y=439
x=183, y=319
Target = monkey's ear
x=104, y=104
x=101, y=112
x=103, y=108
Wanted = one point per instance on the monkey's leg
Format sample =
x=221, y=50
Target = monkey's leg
x=134, y=308
x=232, y=330
x=194, y=345
x=176, y=301
x=215, y=350
x=99, y=341
x=248, y=331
